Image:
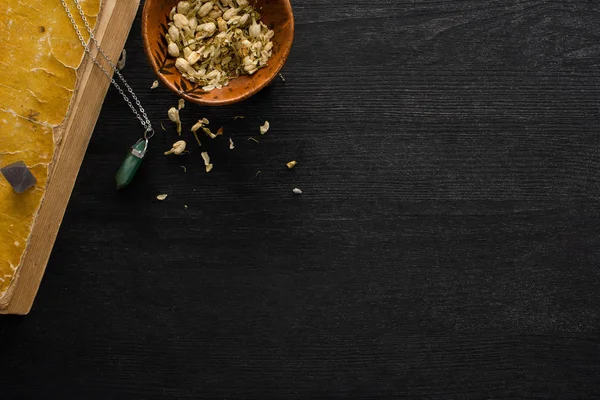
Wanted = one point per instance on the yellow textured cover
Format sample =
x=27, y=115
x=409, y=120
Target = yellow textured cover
x=39, y=57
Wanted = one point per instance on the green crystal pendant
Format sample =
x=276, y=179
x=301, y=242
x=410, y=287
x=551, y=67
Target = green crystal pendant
x=131, y=164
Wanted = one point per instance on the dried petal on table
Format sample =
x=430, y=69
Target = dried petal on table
x=161, y=197
x=173, y=114
x=231, y=145
x=206, y=159
x=154, y=85
x=209, y=133
x=177, y=149
x=265, y=128
x=200, y=124
x=291, y=164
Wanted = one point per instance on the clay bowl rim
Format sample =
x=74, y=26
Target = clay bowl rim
x=212, y=102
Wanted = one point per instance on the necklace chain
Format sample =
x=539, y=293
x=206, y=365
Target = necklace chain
x=143, y=118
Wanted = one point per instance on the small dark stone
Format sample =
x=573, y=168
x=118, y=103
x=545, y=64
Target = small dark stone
x=19, y=176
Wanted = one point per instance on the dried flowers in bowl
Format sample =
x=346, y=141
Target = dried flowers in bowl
x=217, y=52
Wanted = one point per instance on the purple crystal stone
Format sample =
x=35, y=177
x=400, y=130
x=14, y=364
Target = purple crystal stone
x=19, y=176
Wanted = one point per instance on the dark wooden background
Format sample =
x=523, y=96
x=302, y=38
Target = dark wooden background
x=447, y=244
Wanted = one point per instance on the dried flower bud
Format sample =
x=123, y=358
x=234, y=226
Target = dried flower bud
x=154, y=85
x=254, y=30
x=249, y=65
x=212, y=75
x=173, y=114
x=205, y=9
x=234, y=20
x=187, y=51
x=193, y=24
x=180, y=21
x=222, y=24
x=244, y=19
x=194, y=57
x=183, y=66
x=214, y=14
x=173, y=50
x=174, y=33
x=208, y=28
x=199, y=124
x=230, y=13
x=183, y=7
x=206, y=159
x=256, y=47
x=265, y=128
x=177, y=149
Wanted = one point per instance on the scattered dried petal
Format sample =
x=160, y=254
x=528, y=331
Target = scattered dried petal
x=253, y=139
x=173, y=114
x=291, y=164
x=297, y=191
x=220, y=131
x=197, y=139
x=209, y=133
x=177, y=149
x=161, y=197
x=181, y=104
x=265, y=128
x=231, y=145
x=154, y=85
x=206, y=159
x=184, y=168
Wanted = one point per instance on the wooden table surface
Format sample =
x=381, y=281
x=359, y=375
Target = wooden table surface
x=446, y=246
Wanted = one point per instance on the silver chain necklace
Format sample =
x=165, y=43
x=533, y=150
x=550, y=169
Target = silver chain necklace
x=138, y=151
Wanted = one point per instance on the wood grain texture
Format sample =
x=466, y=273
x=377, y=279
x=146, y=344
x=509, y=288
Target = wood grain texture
x=446, y=245
x=113, y=27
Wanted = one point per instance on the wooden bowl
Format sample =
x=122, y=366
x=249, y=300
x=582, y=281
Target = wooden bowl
x=277, y=14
